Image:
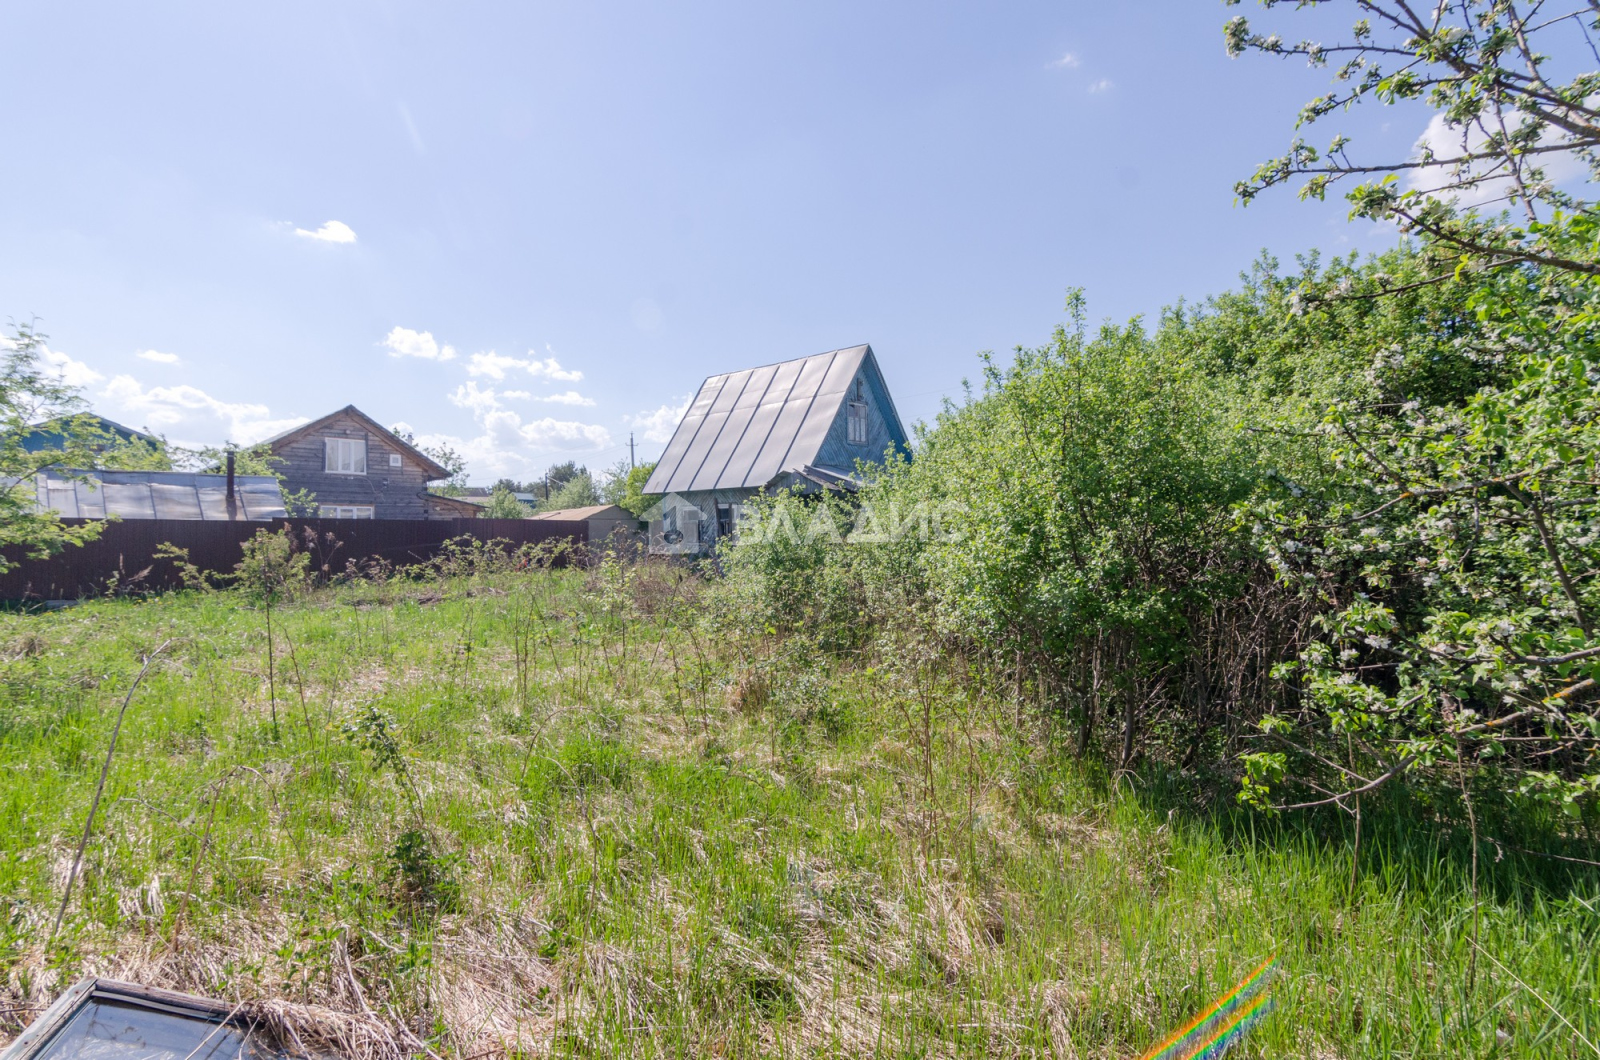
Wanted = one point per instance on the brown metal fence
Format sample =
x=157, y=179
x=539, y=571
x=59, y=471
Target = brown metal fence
x=125, y=552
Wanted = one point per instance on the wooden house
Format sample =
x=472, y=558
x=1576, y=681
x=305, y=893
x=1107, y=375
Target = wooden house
x=798, y=424
x=356, y=468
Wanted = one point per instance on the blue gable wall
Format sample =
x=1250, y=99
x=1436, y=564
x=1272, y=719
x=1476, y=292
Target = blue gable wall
x=883, y=428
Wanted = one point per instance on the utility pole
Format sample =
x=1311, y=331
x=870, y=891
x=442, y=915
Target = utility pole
x=631, y=464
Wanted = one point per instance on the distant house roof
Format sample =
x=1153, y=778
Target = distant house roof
x=459, y=505
x=484, y=498
x=155, y=495
x=593, y=511
x=428, y=463
x=51, y=434
x=745, y=428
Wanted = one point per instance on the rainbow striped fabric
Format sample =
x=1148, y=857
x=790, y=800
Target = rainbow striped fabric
x=1224, y=1023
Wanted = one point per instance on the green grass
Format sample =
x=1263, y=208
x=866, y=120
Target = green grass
x=544, y=812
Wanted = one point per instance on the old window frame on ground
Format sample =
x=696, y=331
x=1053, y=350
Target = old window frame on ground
x=344, y=456
x=50, y=1037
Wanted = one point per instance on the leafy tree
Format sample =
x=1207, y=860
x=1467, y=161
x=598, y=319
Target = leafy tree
x=1445, y=535
x=137, y=454
x=1452, y=552
x=1493, y=71
x=454, y=463
x=576, y=492
x=503, y=504
x=1094, y=478
x=624, y=487
x=98, y=447
x=30, y=394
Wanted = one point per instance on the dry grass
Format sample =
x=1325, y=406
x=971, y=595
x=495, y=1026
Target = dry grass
x=647, y=844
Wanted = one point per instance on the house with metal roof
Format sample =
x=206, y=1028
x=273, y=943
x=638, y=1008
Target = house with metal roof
x=803, y=424
x=56, y=433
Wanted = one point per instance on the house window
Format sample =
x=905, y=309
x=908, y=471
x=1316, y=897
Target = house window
x=724, y=520
x=858, y=423
x=346, y=511
x=394, y=459
x=345, y=456
x=857, y=426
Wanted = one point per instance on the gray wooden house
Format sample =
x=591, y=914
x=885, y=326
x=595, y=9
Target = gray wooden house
x=798, y=424
x=356, y=468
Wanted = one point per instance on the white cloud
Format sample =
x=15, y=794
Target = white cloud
x=468, y=396
x=571, y=397
x=491, y=364
x=158, y=357
x=508, y=443
x=1102, y=85
x=1445, y=141
x=495, y=365
x=330, y=232
x=403, y=342
x=70, y=371
x=1066, y=62
x=195, y=411
x=658, y=426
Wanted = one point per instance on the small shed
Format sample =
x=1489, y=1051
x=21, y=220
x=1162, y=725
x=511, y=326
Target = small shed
x=604, y=520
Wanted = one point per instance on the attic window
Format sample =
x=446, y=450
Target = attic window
x=345, y=456
x=394, y=459
x=858, y=423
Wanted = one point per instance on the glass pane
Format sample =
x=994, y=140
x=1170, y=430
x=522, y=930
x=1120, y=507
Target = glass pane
x=111, y=1030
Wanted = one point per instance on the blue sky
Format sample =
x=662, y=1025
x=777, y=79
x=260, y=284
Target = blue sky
x=529, y=229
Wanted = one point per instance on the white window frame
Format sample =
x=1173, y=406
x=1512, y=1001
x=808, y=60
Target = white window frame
x=394, y=460
x=344, y=456
x=345, y=511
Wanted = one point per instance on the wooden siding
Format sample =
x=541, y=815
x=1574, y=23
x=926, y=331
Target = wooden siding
x=393, y=492
x=837, y=451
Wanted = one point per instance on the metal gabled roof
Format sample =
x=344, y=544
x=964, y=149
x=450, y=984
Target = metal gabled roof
x=744, y=428
x=155, y=495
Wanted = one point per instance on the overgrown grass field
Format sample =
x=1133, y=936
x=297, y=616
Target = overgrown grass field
x=552, y=812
